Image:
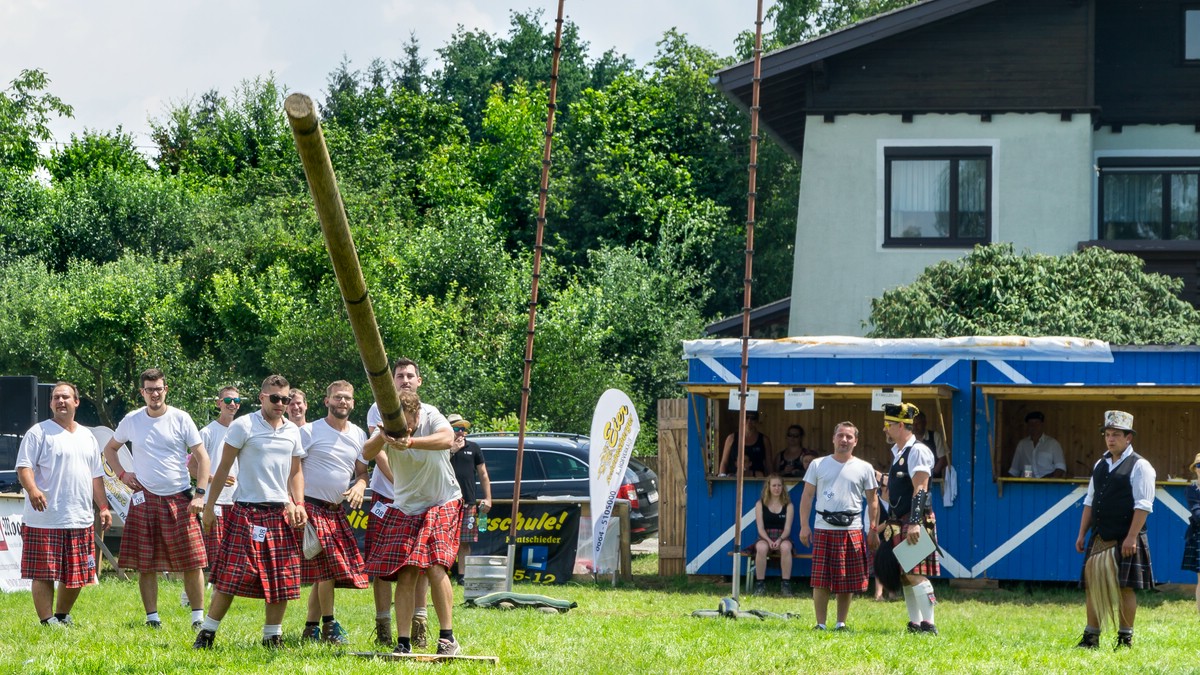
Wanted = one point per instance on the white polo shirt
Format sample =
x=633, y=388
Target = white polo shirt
x=265, y=457
x=329, y=458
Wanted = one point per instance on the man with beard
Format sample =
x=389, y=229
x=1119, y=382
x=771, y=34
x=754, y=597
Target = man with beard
x=331, y=450
x=161, y=532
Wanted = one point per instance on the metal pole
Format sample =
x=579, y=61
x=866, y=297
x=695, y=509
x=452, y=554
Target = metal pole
x=751, y=194
x=543, y=192
x=322, y=183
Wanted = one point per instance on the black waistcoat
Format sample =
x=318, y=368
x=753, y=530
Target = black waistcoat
x=1112, y=499
x=900, y=486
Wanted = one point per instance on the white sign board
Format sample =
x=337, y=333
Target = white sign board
x=882, y=397
x=798, y=398
x=11, y=546
x=735, y=399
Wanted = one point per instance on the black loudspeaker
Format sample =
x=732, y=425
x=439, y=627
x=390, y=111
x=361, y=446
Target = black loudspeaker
x=44, y=411
x=18, y=404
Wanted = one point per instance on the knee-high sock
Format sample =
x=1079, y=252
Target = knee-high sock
x=910, y=603
x=925, y=600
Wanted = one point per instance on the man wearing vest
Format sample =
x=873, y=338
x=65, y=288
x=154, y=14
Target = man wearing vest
x=1119, y=498
x=910, y=511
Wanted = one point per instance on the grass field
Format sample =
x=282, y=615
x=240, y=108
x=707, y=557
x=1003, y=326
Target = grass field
x=640, y=627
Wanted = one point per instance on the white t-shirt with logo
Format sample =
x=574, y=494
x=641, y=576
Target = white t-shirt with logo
x=160, y=448
x=64, y=464
x=265, y=458
x=213, y=437
x=329, y=458
x=840, y=487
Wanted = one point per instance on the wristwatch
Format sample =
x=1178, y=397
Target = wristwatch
x=200, y=492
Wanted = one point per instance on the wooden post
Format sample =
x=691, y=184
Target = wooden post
x=318, y=169
x=624, y=545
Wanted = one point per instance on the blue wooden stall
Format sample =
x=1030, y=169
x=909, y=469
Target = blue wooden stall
x=977, y=391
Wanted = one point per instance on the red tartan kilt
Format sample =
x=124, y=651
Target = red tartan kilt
x=929, y=567
x=212, y=538
x=470, y=524
x=839, y=561
x=421, y=541
x=373, y=522
x=339, y=560
x=269, y=569
x=161, y=536
x=63, y=555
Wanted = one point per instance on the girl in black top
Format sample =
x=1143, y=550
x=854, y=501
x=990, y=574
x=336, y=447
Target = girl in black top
x=773, y=515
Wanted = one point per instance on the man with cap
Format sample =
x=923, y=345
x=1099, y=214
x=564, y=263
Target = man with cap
x=1120, y=497
x=910, y=511
x=467, y=459
x=1038, y=451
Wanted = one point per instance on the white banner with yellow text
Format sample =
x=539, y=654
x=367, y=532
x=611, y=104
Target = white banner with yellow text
x=615, y=427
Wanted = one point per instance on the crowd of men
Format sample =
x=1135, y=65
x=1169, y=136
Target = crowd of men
x=256, y=501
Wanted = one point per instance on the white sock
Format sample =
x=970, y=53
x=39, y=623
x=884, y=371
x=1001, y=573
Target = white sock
x=152, y=616
x=197, y=615
x=925, y=599
x=910, y=603
x=272, y=631
x=210, y=624
x=383, y=615
x=422, y=612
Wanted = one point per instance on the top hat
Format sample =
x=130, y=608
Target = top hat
x=1118, y=419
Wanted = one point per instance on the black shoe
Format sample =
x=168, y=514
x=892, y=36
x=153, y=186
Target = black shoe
x=273, y=642
x=760, y=588
x=914, y=627
x=153, y=624
x=402, y=649
x=196, y=625
x=785, y=589
x=204, y=639
x=927, y=627
x=1089, y=641
x=1124, y=640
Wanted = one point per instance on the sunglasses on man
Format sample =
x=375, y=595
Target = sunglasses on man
x=276, y=398
x=230, y=400
x=460, y=430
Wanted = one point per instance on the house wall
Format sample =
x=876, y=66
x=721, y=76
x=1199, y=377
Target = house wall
x=841, y=263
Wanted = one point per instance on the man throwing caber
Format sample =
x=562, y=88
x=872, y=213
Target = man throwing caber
x=161, y=531
x=840, y=482
x=59, y=466
x=910, y=514
x=1119, y=498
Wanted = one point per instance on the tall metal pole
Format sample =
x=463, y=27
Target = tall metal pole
x=751, y=195
x=543, y=193
x=322, y=183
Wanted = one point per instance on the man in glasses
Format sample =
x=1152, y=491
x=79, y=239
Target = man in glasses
x=213, y=435
x=406, y=375
x=161, y=532
x=467, y=459
x=331, y=463
x=260, y=555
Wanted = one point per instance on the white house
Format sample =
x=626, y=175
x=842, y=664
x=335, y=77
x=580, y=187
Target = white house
x=1051, y=124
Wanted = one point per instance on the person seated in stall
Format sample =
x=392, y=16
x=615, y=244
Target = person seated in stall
x=795, y=458
x=773, y=515
x=756, y=450
x=935, y=442
x=1038, y=455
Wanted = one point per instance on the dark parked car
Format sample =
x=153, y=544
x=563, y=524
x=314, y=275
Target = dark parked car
x=556, y=465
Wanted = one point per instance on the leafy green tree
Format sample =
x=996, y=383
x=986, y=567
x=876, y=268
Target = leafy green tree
x=94, y=151
x=1093, y=293
x=25, y=113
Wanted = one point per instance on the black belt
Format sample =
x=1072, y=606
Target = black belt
x=262, y=506
x=328, y=506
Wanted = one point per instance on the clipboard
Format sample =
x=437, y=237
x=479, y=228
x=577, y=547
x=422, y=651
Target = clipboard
x=908, y=555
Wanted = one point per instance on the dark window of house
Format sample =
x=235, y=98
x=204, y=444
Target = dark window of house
x=938, y=196
x=1191, y=34
x=1149, y=198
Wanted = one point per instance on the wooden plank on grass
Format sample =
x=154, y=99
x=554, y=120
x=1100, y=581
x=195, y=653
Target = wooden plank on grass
x=392, y=656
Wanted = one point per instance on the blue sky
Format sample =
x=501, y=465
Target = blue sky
x=124, y=61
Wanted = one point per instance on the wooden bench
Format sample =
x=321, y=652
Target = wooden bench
x=771, y=555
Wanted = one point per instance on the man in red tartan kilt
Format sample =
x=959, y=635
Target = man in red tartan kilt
x=839, y=483
x=161, y=531
x=260, y=555
x=420, y=530
x=59, y=466
x=213, y=436
x=331, y=449
x=910, y=512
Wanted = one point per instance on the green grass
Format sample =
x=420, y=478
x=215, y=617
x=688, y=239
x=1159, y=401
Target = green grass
x=640, y=627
